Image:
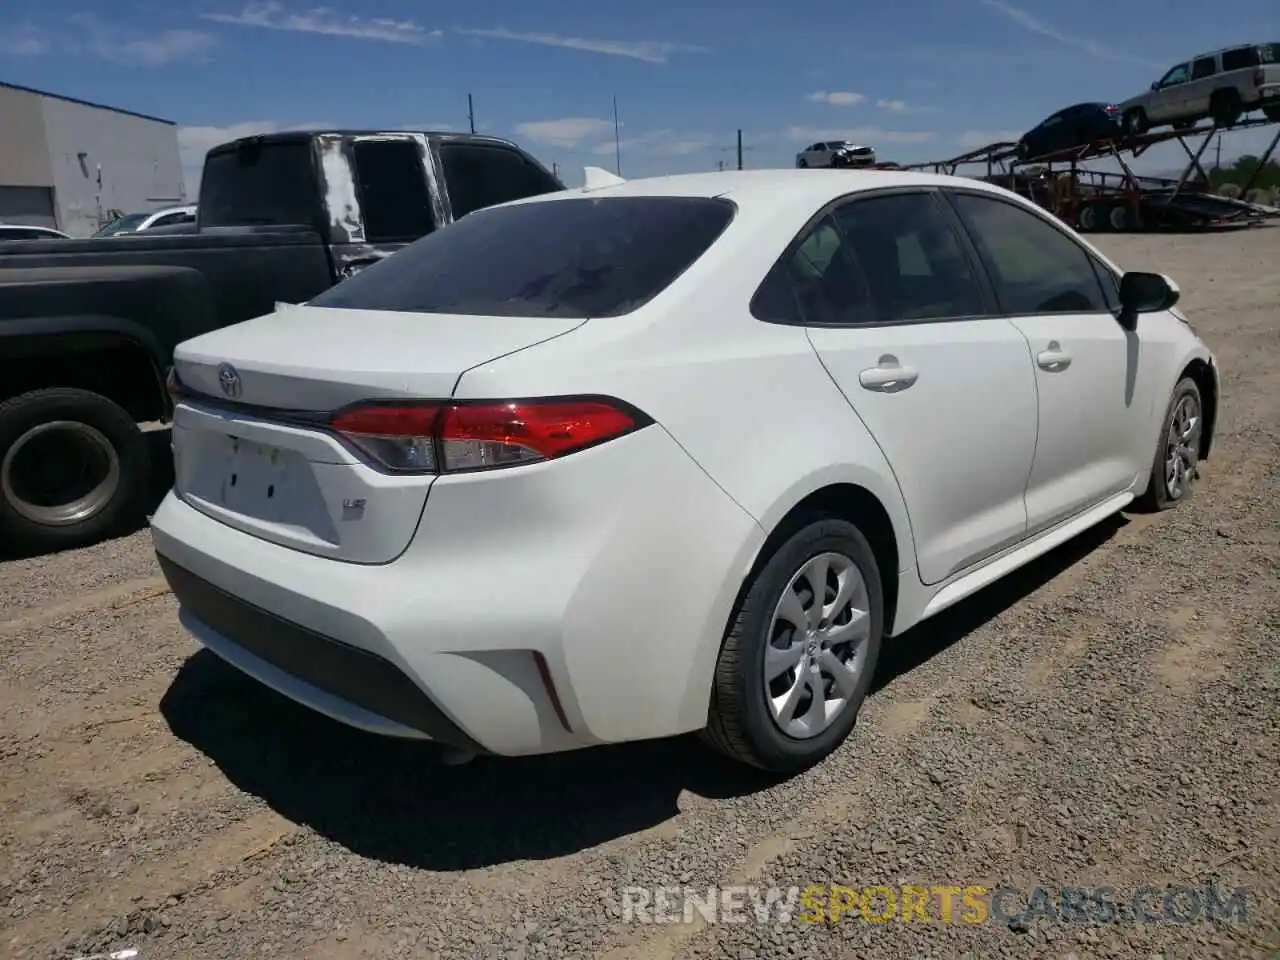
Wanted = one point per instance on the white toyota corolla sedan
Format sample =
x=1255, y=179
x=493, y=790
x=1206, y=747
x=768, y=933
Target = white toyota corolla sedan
x=665, y=455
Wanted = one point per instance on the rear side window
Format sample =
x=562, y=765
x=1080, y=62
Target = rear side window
x=479, y=176
x=1242, y=58
x=575, y=258
x=1205, y=67
x=911, y=258
x=392, y=183
x=269, y=184
x=1035, y=267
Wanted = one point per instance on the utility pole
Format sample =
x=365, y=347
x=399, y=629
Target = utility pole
x=555, y=169
x=617, y=140
x=471, y=114
x=739, y=150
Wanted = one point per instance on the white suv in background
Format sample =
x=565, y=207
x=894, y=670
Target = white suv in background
x=836, y=153
x=1223, y=86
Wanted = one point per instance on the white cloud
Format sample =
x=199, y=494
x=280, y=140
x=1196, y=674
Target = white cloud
x=901, y=107
x=870, y=136
x=273, y=16
x=836, y=98
x=980, y=138
x=195, y=142
x=566, y=132
x=650, y=51
x=89, y=36
x=1091, y=47
x=24, y=41
x=158, y=49
x=659, y=143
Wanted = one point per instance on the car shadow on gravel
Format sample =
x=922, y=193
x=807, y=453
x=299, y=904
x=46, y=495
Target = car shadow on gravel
x=393, y=801
x=922, y=643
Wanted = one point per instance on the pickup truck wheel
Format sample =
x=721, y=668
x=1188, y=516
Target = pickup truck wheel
x=74, y=468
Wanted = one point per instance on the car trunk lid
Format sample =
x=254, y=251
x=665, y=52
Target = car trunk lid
x=251, y=447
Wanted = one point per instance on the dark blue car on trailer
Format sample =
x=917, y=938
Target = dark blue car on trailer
x=1074, y=126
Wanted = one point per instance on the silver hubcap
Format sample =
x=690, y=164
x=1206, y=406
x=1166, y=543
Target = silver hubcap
x=60, y=473
x=1182, y=445
x=817, y=645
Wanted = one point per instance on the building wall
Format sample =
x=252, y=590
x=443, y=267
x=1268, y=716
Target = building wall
x=26, y=179
x=104, y=162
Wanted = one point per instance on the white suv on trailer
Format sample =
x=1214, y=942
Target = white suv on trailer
x=1223, y=86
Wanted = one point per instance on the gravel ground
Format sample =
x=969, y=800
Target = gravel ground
x=1110, y=716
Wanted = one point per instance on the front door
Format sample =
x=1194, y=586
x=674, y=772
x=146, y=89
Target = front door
x=897, y=312
x=1085, y=364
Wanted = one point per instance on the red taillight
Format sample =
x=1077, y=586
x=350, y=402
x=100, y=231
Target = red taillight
x=431, y=437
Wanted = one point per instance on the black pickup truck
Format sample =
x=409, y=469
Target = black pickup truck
x=88, y=327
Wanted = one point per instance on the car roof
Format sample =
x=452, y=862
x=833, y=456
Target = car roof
x=775, y=187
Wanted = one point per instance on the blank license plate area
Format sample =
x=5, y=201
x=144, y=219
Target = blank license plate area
x=257, y=480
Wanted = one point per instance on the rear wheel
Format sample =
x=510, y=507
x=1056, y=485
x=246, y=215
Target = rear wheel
x=74, y=468
x=1091, y=218
x=800, y=651
x=1176, y=464
x=1122, y=218
x=1225, y=107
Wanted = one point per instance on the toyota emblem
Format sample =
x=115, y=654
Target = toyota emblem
x=229, y=380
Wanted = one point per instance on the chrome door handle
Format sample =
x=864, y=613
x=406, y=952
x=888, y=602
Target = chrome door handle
x=889, y=377
x=1053, y=359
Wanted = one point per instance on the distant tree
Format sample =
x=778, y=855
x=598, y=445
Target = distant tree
x=1243, y=169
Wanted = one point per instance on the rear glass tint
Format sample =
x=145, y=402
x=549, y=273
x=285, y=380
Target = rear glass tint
x=269, y=184
x=601, y=257
x=1240, y=59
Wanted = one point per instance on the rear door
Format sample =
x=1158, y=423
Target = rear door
x=479, y=175
x=898, y=313
x=1092, y=401
x=1197, y=91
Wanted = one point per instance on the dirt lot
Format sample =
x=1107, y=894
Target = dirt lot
x=1111, y=717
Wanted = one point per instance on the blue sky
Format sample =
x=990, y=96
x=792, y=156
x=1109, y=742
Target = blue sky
x=917, y=79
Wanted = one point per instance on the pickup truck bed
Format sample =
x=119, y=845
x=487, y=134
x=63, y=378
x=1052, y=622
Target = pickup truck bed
x=88, y=327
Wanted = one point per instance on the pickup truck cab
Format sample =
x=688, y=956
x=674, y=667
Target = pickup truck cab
x=88, y=327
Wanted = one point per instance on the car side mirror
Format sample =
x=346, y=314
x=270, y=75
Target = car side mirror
x=1145, y=293
x=1155, y=85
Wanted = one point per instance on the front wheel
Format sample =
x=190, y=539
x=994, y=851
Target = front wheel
x=800, y=651
x=802, y=163
x=1175, y=467
x=74, y=468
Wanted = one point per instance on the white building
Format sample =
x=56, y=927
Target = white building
x=75, y=165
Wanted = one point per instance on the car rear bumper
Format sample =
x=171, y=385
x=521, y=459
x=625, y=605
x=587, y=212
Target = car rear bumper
x=538, y=609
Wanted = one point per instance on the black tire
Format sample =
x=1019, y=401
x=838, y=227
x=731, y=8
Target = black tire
x=1158, y=495
x=1225, y=108
x=802, y=163
x=740, y=724
x=1135, y=122
x=1092, y=218
x=115, y=510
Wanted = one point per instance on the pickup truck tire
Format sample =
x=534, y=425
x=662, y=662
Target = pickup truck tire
x=94, y=478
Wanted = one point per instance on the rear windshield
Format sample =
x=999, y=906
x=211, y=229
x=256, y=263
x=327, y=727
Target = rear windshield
x=270, y=184
x=601, y=257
